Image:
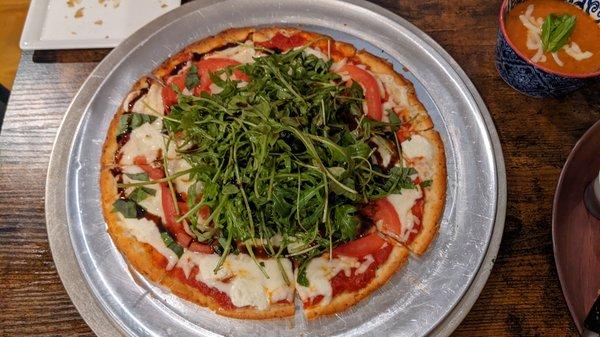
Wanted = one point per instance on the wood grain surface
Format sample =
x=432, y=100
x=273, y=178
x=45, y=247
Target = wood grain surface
x=522, y=296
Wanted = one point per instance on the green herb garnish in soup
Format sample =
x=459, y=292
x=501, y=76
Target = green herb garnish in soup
x=556, y=31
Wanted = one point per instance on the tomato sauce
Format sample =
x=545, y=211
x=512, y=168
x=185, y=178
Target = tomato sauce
x=283, y=43
x=417, y=211
x=586, y=34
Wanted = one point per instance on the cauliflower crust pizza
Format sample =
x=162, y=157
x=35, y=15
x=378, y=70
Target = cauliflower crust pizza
x=260, y=165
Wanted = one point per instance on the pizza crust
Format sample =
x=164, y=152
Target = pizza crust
x=396, y=260
x=435, y=195
x=140, y=255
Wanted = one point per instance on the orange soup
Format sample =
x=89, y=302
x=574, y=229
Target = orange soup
x=581, y=52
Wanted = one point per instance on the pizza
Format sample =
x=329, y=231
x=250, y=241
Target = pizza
x=264, y=165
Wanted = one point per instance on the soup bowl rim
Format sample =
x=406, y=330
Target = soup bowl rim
x=502, y=25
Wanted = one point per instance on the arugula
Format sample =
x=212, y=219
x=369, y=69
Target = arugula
x=286, y=156
x=556, y=31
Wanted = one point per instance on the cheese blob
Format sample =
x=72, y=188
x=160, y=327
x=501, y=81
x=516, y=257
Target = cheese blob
x=321, y=270
x=403, y=204
x=241, y=279
x=146, y=231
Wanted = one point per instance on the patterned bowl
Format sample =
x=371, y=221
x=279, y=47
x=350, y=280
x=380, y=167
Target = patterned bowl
x=535, y=79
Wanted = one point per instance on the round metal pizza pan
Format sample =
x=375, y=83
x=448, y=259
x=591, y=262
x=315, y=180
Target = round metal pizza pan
x=430, y=296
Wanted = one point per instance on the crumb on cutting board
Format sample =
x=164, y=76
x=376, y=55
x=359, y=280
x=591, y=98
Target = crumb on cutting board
x=79, y=13
x=72, y=3
x=98, y=22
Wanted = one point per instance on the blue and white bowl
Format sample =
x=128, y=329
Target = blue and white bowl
x=534, y=79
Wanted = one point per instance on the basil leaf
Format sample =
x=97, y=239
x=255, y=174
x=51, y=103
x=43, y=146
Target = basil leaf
x=192, y=79
x=138, y=176
x=141, y=193
x=426, y=183
x=563, y=33
x=171, y=244
x=547, y=27
x=556, y=31
x=123, y=124
x=130, y=121
x=128, y=208
x=138, y=120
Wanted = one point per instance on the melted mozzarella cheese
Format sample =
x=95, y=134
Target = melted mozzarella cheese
x=151, y=103
x=365, y=264
x=315, y=52
x=146, y=231
x=398, y=94
x=403, y=204
x=241, y=279
x=182, y=183
x=320, y=271
x=336, y=66
x=215, y=89
x=244, y=53
x=417, y=146
x=145, y=141
x=419, y=152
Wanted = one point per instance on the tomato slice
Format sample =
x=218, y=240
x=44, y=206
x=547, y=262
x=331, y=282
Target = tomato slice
x=175, y=228
x=153, y=172
x=200, y=248
x=385, y=212
x=404, y=132
x=169, y=95
x=282, y=42
x=183, y=207
x=361, y=247
x=204, y=212
x=370, y=87
x=207, y=66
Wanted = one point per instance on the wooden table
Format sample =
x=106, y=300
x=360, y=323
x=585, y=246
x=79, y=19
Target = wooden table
x=522, y=296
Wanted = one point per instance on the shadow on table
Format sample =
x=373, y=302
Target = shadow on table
x=70, y=55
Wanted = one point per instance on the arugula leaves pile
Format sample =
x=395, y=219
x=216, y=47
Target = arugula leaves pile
x=284, y=162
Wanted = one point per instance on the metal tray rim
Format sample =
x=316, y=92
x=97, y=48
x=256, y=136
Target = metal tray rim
x=64, y=255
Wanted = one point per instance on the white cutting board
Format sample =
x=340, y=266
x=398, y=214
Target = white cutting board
x=73, y=24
